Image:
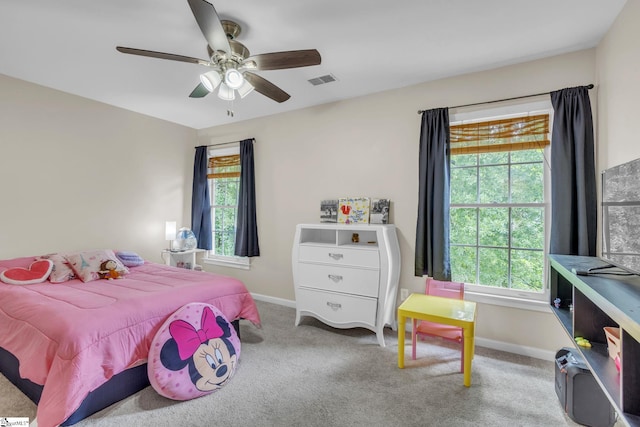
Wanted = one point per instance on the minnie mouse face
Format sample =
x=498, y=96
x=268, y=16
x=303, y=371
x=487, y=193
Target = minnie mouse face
x=215, y=363
x=208, y=352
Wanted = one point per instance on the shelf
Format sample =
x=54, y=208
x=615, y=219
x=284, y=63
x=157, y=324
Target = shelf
x=316, y=243
x=367, y=246
x=183, y=259
x=601, y=300
x=598, y=360
x=565, y=317
x=318, y=236
x=345, y=238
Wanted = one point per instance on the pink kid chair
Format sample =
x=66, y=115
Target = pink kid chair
x=424, y=328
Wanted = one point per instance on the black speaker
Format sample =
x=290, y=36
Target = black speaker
x=580, y=395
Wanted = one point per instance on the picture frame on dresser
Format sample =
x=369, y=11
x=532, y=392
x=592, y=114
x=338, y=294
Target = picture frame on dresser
x=379, y=211
x=353, y=210
x=329, y=210
x=346, y=282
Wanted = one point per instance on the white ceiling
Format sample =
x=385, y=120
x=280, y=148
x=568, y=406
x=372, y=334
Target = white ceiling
x=368, y=45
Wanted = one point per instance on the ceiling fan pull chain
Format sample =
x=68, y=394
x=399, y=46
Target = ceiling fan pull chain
x=230, y=109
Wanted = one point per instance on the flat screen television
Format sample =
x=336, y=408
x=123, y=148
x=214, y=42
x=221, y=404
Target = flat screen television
x=621, y=216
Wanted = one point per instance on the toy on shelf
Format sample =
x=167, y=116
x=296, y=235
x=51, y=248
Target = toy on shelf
x=583, y=342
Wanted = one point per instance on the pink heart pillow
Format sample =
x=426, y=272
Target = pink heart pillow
x=37, y=272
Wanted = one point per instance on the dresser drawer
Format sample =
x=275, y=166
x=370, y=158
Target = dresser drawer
x=355, y=281
x=339, y=255
x=339, y=309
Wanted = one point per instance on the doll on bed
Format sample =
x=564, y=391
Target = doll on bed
x=109, y=270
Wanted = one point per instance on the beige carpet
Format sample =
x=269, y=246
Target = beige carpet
x=314, y=375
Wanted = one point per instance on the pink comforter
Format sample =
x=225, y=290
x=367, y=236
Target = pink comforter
x=73, y=337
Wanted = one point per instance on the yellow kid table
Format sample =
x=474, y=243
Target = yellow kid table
x=447, y=311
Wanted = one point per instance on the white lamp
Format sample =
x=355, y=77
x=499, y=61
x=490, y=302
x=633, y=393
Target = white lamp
x=245, y=89
x=233, y=78
x=226, y=93
x=210, y=80
x=170, y=232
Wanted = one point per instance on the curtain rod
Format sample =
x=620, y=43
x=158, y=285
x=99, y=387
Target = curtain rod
x=225, y=143
x=590, y=86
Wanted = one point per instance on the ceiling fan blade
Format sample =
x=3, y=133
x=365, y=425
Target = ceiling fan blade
x=199, y=92
x=266, y=88
x=288, y=59
x=209, y=23
x=161, y=55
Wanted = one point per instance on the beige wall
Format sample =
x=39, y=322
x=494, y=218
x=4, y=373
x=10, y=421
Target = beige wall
x=77, y=174
x=368, y=147
x=618, y=62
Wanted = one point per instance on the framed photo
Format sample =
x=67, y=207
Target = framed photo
x=379, y=211
x=329, y=210
x=353, y=210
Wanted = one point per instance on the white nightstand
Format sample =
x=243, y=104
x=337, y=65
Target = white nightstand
x=182, y=259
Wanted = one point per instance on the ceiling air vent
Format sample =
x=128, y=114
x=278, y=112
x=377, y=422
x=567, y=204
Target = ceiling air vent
x=323, y=79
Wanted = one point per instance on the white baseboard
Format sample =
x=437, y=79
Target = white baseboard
x=481, y=342
x=538, y=353
x=274, y=300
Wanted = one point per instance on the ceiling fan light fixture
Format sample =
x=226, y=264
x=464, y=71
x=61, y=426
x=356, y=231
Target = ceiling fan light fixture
x=245, y=89
x=210, y=80
x=229, y=60
x=226, y=93
x=233, y=78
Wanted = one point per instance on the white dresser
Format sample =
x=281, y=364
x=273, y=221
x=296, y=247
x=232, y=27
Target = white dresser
x=347, y=284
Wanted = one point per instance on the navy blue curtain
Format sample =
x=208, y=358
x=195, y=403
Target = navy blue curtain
x=200, y=202
x=432, y=229
x=573, y=174
x=247, y=226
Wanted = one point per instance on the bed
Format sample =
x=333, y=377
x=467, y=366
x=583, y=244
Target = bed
x=76, y=347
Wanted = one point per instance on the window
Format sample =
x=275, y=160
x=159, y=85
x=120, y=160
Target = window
x=224, y=184
x=498, y=207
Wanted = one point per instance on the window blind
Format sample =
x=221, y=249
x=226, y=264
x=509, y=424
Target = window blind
x=224, y=166
x=519, y=133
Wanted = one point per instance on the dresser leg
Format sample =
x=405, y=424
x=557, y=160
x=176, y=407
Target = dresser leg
x=380, y=335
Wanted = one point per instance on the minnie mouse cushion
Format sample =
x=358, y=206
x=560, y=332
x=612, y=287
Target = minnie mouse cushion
x=194, y=353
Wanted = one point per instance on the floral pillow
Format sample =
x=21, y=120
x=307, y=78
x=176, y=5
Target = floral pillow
x=98, y=264
x=61, y=269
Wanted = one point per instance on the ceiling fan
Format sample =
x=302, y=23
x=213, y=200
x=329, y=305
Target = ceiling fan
x=231, y=64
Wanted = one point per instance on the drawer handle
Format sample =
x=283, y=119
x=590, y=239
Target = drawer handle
x=334, y=305
x=336, y=278
x=336, y=256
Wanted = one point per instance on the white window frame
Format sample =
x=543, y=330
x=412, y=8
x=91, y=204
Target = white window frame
x=511, y=297
x=211, y=258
